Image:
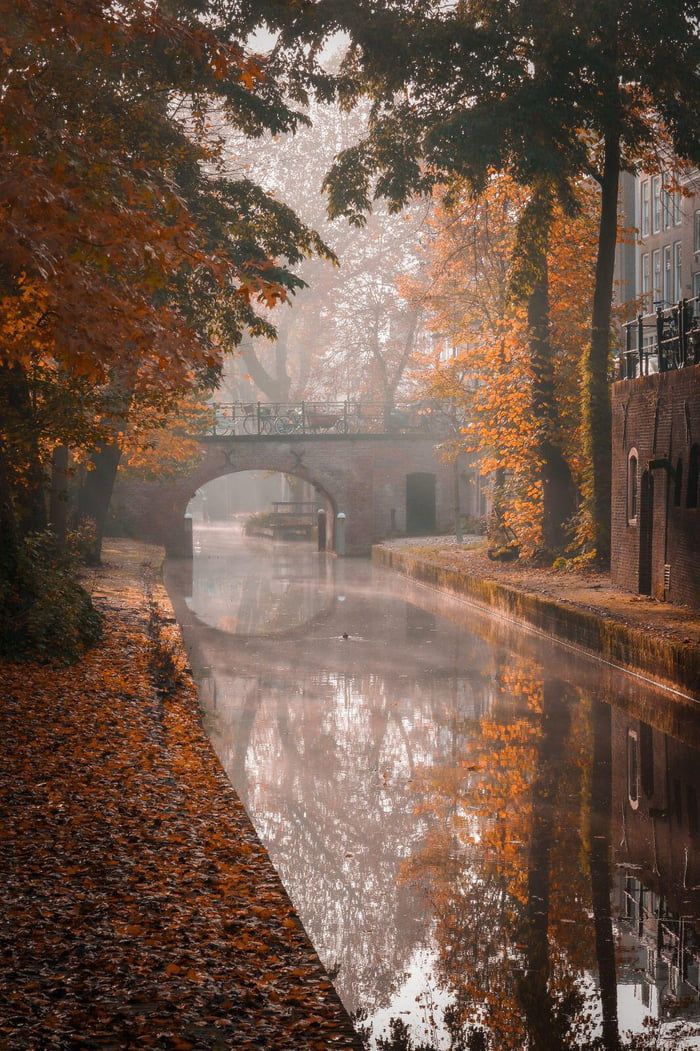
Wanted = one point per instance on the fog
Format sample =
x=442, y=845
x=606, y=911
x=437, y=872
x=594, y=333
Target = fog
x=233, y=497
x=358, y=327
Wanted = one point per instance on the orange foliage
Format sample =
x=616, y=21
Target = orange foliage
x=476, y=864
x=126, y=261
x=482, y=358
x=158, y=443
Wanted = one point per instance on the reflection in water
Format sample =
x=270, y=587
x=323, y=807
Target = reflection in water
x=484, y=854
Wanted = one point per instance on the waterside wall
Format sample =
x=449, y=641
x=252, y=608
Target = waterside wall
x=668, y=661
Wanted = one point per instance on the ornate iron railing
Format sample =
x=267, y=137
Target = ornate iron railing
x=659, y=342
x=249, y=419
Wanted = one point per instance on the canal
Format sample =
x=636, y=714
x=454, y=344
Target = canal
x=480, y=829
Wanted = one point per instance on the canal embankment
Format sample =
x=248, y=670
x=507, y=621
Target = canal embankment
x=581, y=609
x=138, y=906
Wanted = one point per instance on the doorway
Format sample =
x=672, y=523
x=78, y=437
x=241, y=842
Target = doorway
x=646, y=533
x=420, y=503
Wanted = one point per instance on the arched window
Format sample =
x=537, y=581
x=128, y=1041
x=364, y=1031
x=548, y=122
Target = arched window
x=632, y=486
x=678, y=483
x=691, y=498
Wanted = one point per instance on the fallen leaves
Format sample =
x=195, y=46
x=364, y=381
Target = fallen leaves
x=137, y=906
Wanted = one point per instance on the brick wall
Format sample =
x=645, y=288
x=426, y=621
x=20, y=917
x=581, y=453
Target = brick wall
x=658, y=418
x=655, y=817
x=363, y=477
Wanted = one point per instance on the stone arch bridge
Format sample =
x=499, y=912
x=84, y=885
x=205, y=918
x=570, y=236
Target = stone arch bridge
x=388, y=481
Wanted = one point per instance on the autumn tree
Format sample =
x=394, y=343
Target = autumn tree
x=482, y=361
x=128, y=259
x=545, y=91
x=503, y=867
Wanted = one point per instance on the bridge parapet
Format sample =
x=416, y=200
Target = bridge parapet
x=321, y=419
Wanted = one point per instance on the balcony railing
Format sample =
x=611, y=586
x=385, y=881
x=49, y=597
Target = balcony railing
x=659, y=342
x=281, y=419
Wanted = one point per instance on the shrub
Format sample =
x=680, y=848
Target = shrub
x=258, y=522
x=474, y=526
x=45, y=613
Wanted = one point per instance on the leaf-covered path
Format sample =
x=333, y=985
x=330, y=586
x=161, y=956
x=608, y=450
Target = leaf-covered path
x=137, y=906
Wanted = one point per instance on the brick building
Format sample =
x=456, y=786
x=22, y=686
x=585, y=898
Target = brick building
x=656, y=410
x=656, y=854
x=656, y=474
x=666, y=217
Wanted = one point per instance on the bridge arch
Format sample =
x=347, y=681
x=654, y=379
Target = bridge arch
x=330, y=504
x=362, y=476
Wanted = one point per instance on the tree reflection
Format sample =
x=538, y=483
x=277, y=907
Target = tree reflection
x=600, y=852
x=504, y=871
x=326, y=767
x=439, y=809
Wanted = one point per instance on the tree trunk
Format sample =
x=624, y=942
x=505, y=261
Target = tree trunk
x=96, y=493
x=392, y=383
x=282, y=376
x=557, y=483
x=9, y=531
x=601, y=880
x=458, y=510
x=497, y=516
x=596, y=408
x=544, y=1029
x=273, y=387
x=19, y=424
x=58, y=499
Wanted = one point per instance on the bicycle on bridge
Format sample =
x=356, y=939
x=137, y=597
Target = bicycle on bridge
x=267, y=419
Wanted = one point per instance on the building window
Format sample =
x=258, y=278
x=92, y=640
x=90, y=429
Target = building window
x=646, y=276
x=696, y=232
x=632, y=486
x=691, y=496
x=651, y=962
x=667, y=276
x=656, y=275
x=666, y=206
x=630, y=897
x=677, y=283
x=678, y=483
x=644, y=208
x=632, y=770
x=656, y=204
x=676, y=204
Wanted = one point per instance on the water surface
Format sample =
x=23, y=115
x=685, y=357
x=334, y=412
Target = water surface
x=480, y=830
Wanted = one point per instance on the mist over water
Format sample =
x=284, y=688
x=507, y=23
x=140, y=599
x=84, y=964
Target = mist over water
x=457, y=813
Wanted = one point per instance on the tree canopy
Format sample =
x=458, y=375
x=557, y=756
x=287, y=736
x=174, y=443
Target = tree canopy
x=548, y=92
x=130, y=259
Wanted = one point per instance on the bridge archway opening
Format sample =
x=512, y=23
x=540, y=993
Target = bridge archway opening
x=264, y=503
